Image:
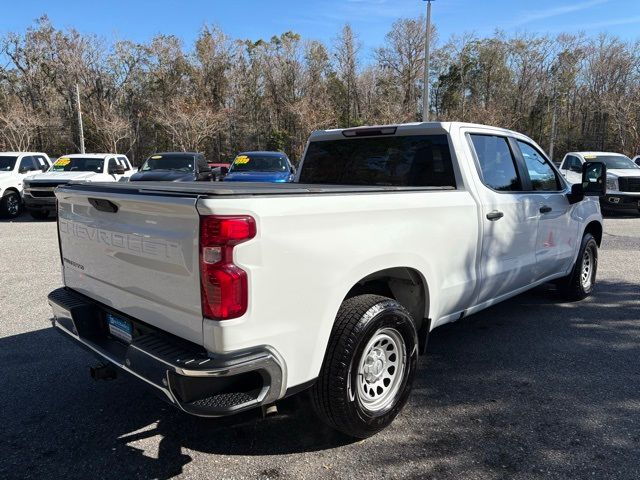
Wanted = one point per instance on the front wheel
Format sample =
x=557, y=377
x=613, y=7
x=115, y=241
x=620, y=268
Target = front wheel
x=369, y=366
x=580, y=282
x=10, y=205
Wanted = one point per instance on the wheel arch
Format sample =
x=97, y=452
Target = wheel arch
x=594, y=228
x=407, y=286
x=10, y=190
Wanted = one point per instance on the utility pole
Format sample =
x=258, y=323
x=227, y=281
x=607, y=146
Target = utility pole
x=425, y=96
x=554, y=100
x=80, y=129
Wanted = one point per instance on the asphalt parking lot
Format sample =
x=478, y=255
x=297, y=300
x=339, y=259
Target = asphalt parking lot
x=531, y=388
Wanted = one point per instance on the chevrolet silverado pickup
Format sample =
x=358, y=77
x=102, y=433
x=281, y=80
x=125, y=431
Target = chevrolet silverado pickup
x=15, y=168
x=386, y=233
x=90, y=167
x=623, y=178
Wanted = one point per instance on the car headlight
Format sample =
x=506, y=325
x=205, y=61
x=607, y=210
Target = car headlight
x=612, y=183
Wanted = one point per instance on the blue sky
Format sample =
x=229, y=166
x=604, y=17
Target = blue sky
x=140, y=20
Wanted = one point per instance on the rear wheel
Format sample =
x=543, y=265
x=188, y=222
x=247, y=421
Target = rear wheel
x=10, y=205
x=39, y=214
x=580, y=282
x=369, y=366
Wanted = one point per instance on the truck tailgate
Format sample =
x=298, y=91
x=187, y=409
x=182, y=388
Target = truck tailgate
x=137, y=254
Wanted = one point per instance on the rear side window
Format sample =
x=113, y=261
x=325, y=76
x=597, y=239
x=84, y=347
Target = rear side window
x=123, y=161
x=496, y=163
x=42, y=162
x=542, y=176
x=417, y=161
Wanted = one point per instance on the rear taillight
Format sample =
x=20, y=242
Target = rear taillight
x=223, y=285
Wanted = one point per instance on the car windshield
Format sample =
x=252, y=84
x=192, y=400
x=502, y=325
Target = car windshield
x=619, y=162
x=247, y=162
x=181, y=163
x=78, y=164
x=7, y=163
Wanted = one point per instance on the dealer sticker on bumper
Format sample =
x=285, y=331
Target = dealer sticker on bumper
x=120, y=328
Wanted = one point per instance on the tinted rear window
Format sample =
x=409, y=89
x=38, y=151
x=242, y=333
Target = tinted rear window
x=420, y=161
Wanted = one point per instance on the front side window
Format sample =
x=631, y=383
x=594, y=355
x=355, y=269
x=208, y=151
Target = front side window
x=78, y=164
x=542, y=176
x=496, y=162
x=417, y=161
x=7, y=163
x=28, y=163
x=112, y=164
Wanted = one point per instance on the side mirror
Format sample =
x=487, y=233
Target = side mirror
x=594, y=182
x=293, y=170
x=24, y=169
x=44, y=168
x=594, y=179
x=224, y=170
x=117, y=170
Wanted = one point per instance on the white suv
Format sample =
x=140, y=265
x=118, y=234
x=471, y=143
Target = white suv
x=14, y=168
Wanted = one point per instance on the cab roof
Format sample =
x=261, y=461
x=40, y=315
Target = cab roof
x=91, y=155
x=414, y=128
x=23, y=153
x=596, y=153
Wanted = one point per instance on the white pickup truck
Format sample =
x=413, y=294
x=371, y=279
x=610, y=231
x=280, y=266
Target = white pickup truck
x=623, y=177
x=15, y=167
x=87, y=167
x=227, y=296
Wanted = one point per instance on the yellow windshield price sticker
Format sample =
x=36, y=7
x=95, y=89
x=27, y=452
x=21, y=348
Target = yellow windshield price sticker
x=156, y=157
x=590, y=156
x=242, y=159
x=62, y=162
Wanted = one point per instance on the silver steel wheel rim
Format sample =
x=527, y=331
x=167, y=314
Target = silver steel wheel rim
x=13, y=205
x=587, y=268
x=381, y=370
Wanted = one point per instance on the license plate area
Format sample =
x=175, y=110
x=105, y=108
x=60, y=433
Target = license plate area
x=120, y=328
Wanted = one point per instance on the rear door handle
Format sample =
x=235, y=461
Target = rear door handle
x=545, y=209
x=495, y=215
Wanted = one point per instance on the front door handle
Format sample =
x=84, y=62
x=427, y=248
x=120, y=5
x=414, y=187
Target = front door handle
x=495, y=215
x=545, y=209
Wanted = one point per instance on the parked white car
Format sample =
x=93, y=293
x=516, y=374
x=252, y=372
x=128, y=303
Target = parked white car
x=90, y=167
x=15, y=167
x=229, y=296
x=623, y=177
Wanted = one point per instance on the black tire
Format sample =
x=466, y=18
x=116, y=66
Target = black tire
x=39, y=214
x=10, y=205
x=335, y=395
x=573, y=287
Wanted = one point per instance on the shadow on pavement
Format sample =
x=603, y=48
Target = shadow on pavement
x=529, y=387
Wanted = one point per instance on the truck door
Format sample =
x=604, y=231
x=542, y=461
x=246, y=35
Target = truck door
x=509, y=219
x=557, y=231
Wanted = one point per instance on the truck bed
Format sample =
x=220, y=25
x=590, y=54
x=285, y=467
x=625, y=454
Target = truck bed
x=243, y=189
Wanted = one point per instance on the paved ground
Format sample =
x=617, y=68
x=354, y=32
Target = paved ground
x=532, y=388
